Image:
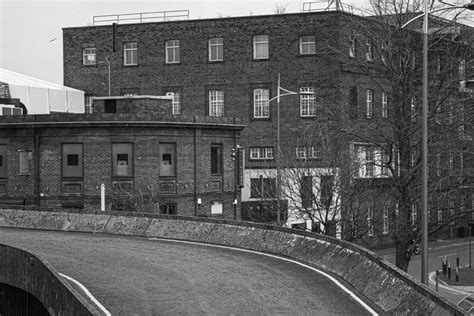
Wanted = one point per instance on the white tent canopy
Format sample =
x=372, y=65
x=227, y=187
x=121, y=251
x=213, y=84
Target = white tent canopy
x=42, y=97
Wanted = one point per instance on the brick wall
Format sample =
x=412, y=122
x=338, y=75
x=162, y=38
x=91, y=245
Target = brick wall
x=97, y=138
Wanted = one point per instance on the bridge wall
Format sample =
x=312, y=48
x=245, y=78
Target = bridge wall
x=392, y=290
x=32, y=274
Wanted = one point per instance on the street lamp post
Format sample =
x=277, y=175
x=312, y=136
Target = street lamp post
x=278, y=153
x=424, y=147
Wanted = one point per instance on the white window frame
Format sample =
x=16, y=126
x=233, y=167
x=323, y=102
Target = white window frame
x=261, y=107
x=313, y=152
x=414, y=211
x=385, y=223
x=172, y=48
x=132, y=48
x=308, y=43
x=216, y=45
x=89, y=56
x=369, y=52
x=352, y=46
x=369, y=108
x=307, y=102
x=216, y=103
x=176, y=102
x=413, y=109
x=88, y=104
x=261, y=41
x=384, y=104
x=370, y=224
x=261, y=153
x=300, y=152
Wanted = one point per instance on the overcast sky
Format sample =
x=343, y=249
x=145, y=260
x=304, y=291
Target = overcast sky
x=31, y=30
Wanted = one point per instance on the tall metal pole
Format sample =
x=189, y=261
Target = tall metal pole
x=424, y=161
x=278, y=183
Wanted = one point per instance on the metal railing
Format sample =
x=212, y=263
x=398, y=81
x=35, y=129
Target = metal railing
x=158, y=16
x=326, y=5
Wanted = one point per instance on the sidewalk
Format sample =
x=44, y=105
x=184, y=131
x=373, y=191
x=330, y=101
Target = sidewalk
x=460, y=293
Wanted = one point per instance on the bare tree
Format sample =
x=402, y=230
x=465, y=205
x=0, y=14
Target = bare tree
x=386, y=61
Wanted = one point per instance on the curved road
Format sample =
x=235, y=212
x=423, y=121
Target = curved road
x=138, y=276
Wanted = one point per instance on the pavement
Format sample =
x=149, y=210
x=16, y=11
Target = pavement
x=463, y=296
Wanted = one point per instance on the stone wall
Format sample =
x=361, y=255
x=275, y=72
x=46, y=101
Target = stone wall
x=23, y=270
x=389, y=288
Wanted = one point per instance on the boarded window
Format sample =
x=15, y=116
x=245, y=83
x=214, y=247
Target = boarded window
x=167, y=159
x=72, y=160
x=25, y=157
x=122, y=159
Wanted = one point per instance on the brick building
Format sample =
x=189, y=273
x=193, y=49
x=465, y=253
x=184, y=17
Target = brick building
x=171, y=162
x=229, y=67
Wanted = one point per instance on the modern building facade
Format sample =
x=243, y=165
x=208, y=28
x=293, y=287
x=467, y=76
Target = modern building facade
x=229, y=67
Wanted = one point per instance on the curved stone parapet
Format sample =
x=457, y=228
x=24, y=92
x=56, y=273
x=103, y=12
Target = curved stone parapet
x=26, y=271
x=389, y=288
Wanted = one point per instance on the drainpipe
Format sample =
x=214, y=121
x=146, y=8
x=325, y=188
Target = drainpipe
x=36, y=161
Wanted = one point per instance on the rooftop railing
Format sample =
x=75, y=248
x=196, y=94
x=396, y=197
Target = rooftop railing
x=158, y=16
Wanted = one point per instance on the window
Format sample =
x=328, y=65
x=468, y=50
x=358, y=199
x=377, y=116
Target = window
x=122, y=155
x=216, y=103
x=451, y=161
x=384, y=162
x=370, y=224
x=303, y=152
x=368, y=50
x=172, y=51
x=110, y=106
x=306, y=192
x=326, y=190
x=383, y=52
x=440, y=216
x=72, y=160
x=217, y=163
x=438, y=164
x=384, y=105
x=88, y=103
x=3, y=161
x=261, y=153
x=260, y=47
x=307, y=102
x=167, y=152
x=25, y=157
x=307, y=45
x=216, y=49
x=369, y=110
x=176, y=102
x=385, y=221
x=130, y=54
x=352, y=46
x=413, y=108
x=263, y=188
x=261, y=108
x=365, y=161
x=462, y=70
x=169, y=208
x=414, y=211
x=88, y=56
x=353, y=102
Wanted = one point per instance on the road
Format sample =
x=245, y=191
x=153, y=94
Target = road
x=436, y=251
x=139, y=276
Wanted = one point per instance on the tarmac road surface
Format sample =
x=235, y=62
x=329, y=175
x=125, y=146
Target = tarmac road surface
x=138, y=276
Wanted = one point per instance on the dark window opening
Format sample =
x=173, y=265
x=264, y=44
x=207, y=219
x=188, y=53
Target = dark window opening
x=353, y=102
x=169, y=208
x=216, y=159
x=263, y=188
x=122, y=159
x=110, y=106
x=73, y=160
x=326, y=190
x=306, y=192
